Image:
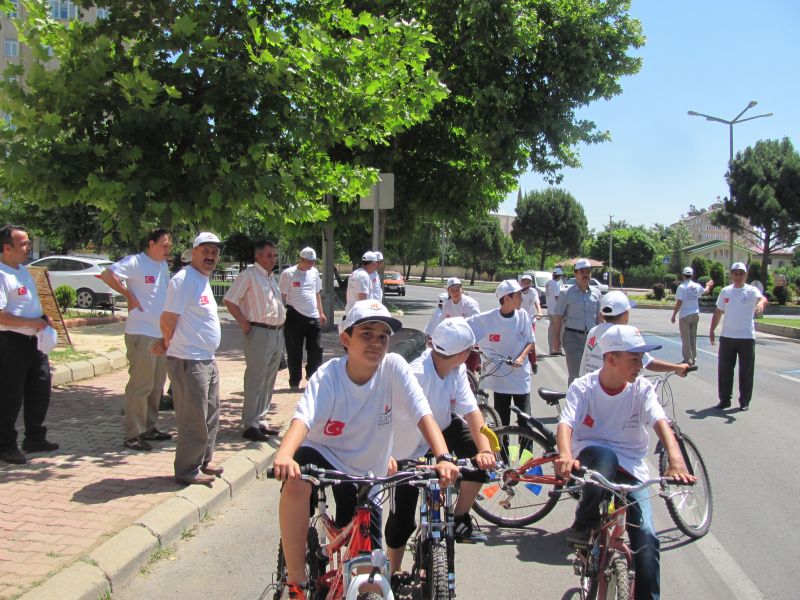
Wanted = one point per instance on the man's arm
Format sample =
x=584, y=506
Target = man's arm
x=38, y=323
x=715, y=318
x=448, y=472
x=113, y=281
x=555, y=323
x=677, y=466
x=237, y=314
x=322, y=318
x=678, y=304
x=284, y=464
x=520, y=360
x=565, y=463
x=763, y=303
x=168, y=322
x=662, y=366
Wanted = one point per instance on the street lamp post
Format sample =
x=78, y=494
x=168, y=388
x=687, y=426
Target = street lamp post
x=737, y=119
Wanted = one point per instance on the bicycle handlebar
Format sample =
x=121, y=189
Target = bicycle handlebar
x=325, y=477
x=583, y=476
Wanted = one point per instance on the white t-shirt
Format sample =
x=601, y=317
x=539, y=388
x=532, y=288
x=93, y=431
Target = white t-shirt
x=530, y=300
x=592, y=358
x=738, y=304
x=435, y=319
x=617, y=422
x=18, y=296
x=552, y=289
x=148, y=280
x=301, y=289
x=689, y=292
x=377, y=288
x=445, y=396
x=197, y=334
x=359, y=282
x=352, y=425
x=500, y=336
x=468, y=307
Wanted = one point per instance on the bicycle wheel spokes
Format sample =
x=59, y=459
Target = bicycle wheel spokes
x=512, y=497
x=691, y=507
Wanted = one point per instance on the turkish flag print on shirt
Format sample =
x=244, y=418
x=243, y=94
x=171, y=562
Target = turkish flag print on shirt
x=22, y=291
x=204, y=300
x=494, y=337
x=334, y=428
x=149, y=279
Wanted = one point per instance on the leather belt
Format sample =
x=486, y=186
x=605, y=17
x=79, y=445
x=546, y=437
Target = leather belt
x=30, y=338
x=581, y=331
x=265, y=326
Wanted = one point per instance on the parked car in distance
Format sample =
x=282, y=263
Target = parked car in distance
x=592, y=283
x=540, y=279
x=82, y=273
x=393, y=283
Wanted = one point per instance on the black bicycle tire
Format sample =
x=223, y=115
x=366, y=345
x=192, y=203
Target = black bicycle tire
x=619, y=583
x=436, y=568
x=315, y=566
x=545, y=507
x=472, y=378
x=675, y=504
x=280, y=573
x=490, y=416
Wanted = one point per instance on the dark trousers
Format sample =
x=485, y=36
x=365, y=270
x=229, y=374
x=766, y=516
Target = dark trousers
x=297, y=330
x=24, y=382
x=502, y=402
x=731, y=349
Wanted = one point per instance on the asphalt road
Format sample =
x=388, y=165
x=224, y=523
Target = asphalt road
x=748, y=554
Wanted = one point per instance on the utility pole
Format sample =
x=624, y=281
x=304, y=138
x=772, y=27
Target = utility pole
x=610, y=264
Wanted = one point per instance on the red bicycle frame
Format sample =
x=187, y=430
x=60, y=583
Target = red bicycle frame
x=345, y=544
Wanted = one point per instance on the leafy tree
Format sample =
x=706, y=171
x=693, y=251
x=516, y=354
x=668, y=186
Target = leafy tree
x=677, y=238
x=187, y=111
x=631, y=248
x=478, y=245
x=552, y=221
x=701, y=268
x=796, y=257
x=765, y=184
x=717, y=272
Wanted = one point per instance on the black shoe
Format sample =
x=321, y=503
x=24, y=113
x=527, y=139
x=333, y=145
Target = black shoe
x=723, y=405
x=155, y=434
x=251, y=433
x=269, y=430
x=579, y=536
x=466, y=530
x=744, y=407
x=137, y=443
x=13, y=456
x=42, y=445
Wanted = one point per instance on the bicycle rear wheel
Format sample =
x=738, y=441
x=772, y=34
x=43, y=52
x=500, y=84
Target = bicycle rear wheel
x=691, y=507
x=507, y=501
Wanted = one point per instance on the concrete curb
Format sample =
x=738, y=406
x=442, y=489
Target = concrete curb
x=781, y=330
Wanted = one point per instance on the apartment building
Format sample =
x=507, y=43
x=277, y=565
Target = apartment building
x=700, y=225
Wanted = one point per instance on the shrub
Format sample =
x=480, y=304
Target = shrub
x=658, y=291
x=669, y=278
x=781, y=294
x=717, y=272
x=705, y=278
x=700, y=266
x=66, y=297
x=673, y=287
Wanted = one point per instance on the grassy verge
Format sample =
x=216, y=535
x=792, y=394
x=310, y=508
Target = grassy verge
x=436, y=282
x=65, y=355
x=776, y=321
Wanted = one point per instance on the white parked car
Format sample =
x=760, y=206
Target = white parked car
x=540, y=279
x=82, y=273
x=592, y=283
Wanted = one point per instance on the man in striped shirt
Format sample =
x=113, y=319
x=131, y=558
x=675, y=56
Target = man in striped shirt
x=255, y=302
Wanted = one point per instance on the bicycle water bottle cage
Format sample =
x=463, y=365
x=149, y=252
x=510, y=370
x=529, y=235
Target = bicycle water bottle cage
x=551, y=396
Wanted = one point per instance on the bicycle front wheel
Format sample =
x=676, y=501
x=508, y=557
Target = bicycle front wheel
x=490, y=415
x=513, y=497
x=436, y=588
x=619, y=581
x=691, y=507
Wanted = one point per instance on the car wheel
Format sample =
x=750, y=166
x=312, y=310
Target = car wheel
x=86, y=298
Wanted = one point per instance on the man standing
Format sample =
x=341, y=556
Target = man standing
x=375, y=277
x=359, y=284
x=552, y=290
x=191, y=335
x=739, y=302
x=300, y=288
x=143, y=279
x=254, y=300
x=24, y=369
x=578, y=310
x=687, y=306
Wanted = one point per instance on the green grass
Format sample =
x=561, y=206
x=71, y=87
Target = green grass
x=159, y=554
x=66, y=355
x=776, y=321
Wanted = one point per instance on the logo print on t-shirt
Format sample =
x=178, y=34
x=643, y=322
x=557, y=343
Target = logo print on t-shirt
x=588, y=421
x=592, y=342
x=295, y=284
x=149, y=279
x=726, y=300
x=494, y=337
x=386, y=417
x=333, y=428
x=204, y=300
x=22, y=291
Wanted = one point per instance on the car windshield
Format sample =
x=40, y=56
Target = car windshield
x=542, y=281
x=391, y=275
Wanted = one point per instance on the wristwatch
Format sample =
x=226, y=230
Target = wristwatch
x=445, y=457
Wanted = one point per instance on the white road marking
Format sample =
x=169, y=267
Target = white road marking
x=739, y=584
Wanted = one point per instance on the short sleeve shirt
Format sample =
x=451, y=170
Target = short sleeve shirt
x=377, y=288
x=18, y=296
x=738, y=305
x=148, y=280
x=197, y=334
x=359, y=282
x=592, y=358
x=468, y=307
x=353, y=425
x=529, y=302
x=445, y=396
x=301, y=289
x=689, y=293
x=579, y=308
x=499, y=337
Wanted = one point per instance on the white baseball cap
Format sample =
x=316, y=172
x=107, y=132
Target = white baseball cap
x=369, y=256
x=308, y=254
x=558, y=271
x=739, y=266
x=615, y=303
x=583, y=263
x=452, y=336
x=688, y=271
x=206, y=237
x=453, y=281
x=509, y=286
x=46, y=339
x=378, y=256
x=525, y=276
x=367, y=311
x=443, y=296
x=624, y=338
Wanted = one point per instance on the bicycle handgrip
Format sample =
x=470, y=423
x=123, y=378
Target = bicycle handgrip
x=304, y=470
x=692, y=368
x=673, y=481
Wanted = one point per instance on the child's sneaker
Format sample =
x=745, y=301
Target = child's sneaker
x=294, y=591
x=467, y=531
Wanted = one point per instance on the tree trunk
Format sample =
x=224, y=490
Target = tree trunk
x=424, y=271
x=766, y=249
x=472, y=278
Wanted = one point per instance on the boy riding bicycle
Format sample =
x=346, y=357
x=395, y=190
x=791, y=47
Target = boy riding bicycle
x=441, y=372
x=604, y=427
x=345, y=421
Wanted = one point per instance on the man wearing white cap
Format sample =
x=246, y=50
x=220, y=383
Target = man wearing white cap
x=506, y=332
x=441, y=372
x=687, y=308
x=300, y=287
x=739, y=302
x=191, y=335
x=552, y=291
x=359, y=284
x=577, y=310
x=375, y=277
x=254, y=300
x=604, y=427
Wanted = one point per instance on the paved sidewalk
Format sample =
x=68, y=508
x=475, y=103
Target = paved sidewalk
x=62, y=507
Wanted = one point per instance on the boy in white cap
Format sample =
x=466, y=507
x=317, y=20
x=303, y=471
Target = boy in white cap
x=300, y=286
x=506, y=332
x=739, y=302
x=687, y=307
x=615, y=308
x=552, y=290
x=530, y=297
x=441, y=372
x=375, y=277
x=458, y=304
x=359, y=284
x=436, y=317
x=604, y=427
x=346, y=421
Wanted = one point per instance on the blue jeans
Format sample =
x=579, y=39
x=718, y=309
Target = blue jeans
x=641, y=533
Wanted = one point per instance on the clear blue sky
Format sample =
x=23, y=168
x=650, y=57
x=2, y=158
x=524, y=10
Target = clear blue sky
x=711, y=56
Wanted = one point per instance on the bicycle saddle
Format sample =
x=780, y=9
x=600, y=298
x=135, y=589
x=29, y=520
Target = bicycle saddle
x=551, y=396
